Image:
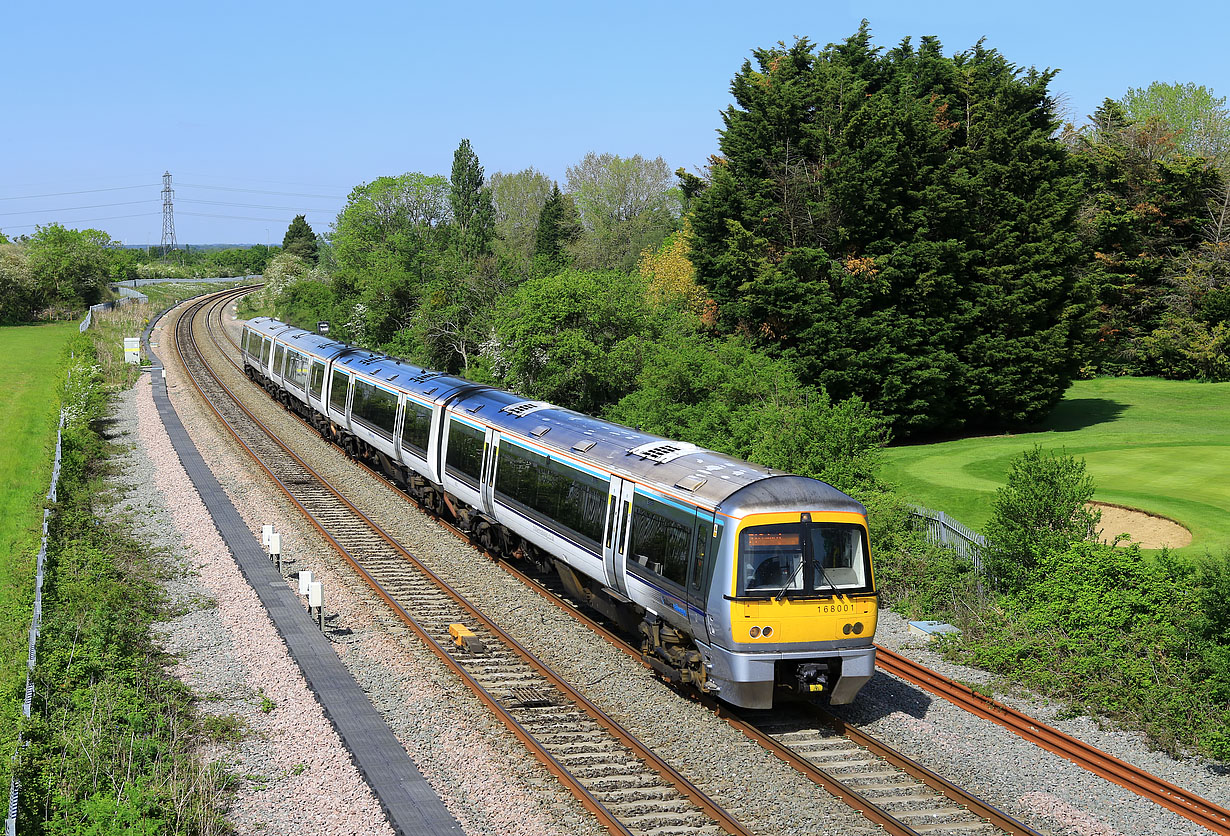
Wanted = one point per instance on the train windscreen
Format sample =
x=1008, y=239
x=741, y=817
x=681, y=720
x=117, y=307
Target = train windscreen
x=803, y=560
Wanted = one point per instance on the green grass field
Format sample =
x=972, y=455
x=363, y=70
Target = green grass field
x=1161, y=446
x=30, y=383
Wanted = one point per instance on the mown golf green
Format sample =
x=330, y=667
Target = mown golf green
x=1161, y=446
x=29, y=379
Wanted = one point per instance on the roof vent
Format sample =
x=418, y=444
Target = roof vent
x=662, y=451
x=540, y=431
x=584, y=446
x=520, y=410
x=691, y=483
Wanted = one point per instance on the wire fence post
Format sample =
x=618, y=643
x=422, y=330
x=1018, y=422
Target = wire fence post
x=943, y=530
x=36, y=618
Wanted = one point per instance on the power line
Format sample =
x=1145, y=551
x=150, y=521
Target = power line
x=75, y=208
x=85, y=220
x=278, y=182
x=260, y=191
x=244, y=205
x=233, y=217
x=83, y=191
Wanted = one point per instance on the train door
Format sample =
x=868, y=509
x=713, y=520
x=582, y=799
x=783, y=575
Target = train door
x=700, y=571
x=615, y=541
x=486, y=485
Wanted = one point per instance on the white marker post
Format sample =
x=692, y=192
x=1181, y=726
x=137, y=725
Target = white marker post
x=275, y=549
x=316, y=598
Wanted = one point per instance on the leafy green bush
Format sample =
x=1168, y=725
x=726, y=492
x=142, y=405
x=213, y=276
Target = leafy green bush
x=1187, y=349
x=1110, y=631
x=1041, y=509
x=915, y=577
x=724, y=394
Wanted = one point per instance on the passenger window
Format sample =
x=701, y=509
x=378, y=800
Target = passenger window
x=661, y=538
x=465, y=451
x=560, y=492
x=318, y=378
x=375, y=407
x=416, y=427
x=337, y=390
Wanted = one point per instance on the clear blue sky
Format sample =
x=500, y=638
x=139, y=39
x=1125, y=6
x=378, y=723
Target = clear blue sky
x=314, y=98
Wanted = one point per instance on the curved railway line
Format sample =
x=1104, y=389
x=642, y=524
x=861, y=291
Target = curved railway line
x=620, y=780
x=571, y=736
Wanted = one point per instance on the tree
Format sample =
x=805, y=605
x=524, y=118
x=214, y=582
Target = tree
x=573, y=338
x=1200, y=121
x=625, y=205
x=387, y=223
x=1041, y=511
x=1146, y=207
x=69, y=266
x=900, y=224
x=470, y=201
x=18, y=297
x=723, y=394
x=669, y=272
x=519, y=199
x=300, y=240
x=557, y=227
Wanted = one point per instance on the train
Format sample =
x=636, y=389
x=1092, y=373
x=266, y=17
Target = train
x=742, y=581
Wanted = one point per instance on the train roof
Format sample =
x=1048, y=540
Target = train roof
x=678, y=467
x=307, y=341
x=706, y=477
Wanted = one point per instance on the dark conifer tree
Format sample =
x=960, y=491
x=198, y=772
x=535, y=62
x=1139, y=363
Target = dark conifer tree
x=555, y=229
x=300, y=240
x=902, y=225
x=470, y=201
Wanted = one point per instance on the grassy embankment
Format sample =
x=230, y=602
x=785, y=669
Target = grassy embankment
x=112, y=744
x=1161, y=446
x=111, y=327
x=30, y=381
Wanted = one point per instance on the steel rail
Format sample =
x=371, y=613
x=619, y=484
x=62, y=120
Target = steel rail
x=1172, y=797
x=1168, y=795
x=824, y=779
x=686, y=787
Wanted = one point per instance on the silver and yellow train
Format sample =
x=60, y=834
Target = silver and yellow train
x=739, y=579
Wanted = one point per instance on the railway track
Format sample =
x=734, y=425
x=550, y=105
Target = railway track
x=618, y=778
x=889, y=788
x=880, y=784
x=1174, y=798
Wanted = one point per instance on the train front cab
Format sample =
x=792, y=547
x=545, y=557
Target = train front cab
x=800, y=606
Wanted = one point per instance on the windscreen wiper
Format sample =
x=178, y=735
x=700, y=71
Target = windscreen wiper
x=790, y=580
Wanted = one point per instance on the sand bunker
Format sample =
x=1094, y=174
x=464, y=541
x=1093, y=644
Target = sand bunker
x=1149, y=530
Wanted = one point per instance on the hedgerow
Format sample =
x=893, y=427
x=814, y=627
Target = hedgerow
x=113, y=738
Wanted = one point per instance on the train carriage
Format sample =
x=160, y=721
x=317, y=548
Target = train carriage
x=739, y=579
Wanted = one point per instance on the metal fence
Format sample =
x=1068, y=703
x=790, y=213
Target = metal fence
x=943, y=530
x=36, y=622
x=128, y=298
